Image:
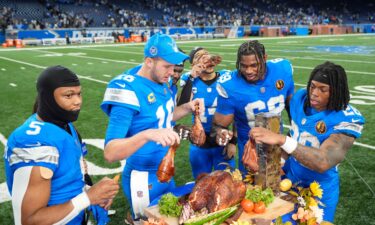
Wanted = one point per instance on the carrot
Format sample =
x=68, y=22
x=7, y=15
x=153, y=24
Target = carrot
x=116, y=178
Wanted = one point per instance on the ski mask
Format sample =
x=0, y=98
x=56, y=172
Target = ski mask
x=48, y=110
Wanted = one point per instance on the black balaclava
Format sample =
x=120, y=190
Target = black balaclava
x=48, y=110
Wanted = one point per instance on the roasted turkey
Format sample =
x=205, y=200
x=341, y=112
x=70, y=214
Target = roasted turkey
x=250, y=157
x=197, y=135
x=166, y=167
x=216, y=191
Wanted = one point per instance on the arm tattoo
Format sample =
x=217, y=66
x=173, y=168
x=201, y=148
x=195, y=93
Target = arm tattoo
x=330, y=153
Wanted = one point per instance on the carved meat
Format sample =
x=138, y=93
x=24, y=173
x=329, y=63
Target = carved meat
x=197, y=135
x=216, y=191
x=250, y=157
x=166, y=167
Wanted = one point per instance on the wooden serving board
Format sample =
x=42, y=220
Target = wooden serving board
x=153, y=212
x=277, y=208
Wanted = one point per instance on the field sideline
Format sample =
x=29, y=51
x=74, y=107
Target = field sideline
x=98, y=64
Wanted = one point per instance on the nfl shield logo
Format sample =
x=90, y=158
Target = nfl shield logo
x=153, y=51
x=139, y=194
x=151, y=98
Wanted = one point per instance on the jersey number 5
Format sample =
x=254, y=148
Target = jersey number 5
x=35, y=128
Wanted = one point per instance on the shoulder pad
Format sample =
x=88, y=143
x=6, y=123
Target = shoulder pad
x=133, y=70
x=224, y=77
x=121, y=91
x=121, y=81
x=221, y=91
x=221, y=72
x=183, y=79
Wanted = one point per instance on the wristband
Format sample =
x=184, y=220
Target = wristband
x=234, y=140
x=81, y=202
x=290, y=145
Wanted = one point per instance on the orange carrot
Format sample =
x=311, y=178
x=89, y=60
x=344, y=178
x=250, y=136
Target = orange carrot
x=116, y=178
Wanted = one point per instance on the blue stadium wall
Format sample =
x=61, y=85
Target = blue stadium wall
x=2, y=37
x=105, y=32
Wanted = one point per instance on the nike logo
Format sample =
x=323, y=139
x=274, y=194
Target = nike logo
x=121, y=85
x=355, y=121
x=34, y=145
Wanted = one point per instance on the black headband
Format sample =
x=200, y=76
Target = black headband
x=321, y=77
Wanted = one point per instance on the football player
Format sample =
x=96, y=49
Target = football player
x=173, y=80
x=203, y=78
x=324, y=128
x=141, y=108
x=43, y=158
x=257, y=86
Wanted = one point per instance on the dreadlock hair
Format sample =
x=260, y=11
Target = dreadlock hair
x=253, y=48
x=339, y=95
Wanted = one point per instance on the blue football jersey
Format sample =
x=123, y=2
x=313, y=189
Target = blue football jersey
x=172, y=87
x=134, y=70
x=245, y=100
x=313, y=130
x=183, y=79
x=153, y=107
x=37, y=143
x=174, y=91
x=208, y=93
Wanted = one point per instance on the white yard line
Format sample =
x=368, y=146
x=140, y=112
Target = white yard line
x=360, y=177
x=116, y=51
x=347, y=71
x=43, y=67
x=311, y=68
x=231, y=61
x=320, y=53
x=3, y=140
x=324, y=59
x=351, y=91
x=187, y=42
x=91, y=57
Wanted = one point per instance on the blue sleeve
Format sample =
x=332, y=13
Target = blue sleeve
x=183, y=79
x=289, y=70
x=224, y=104
x=120, y=119
x=351, y=122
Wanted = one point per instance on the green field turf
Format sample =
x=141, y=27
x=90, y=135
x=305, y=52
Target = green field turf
x=97, y=64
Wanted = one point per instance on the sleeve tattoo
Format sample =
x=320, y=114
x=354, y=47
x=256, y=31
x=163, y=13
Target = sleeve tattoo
x=331, y=152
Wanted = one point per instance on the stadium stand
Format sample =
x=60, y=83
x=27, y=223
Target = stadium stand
x=68, y=14
x=200, y=19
